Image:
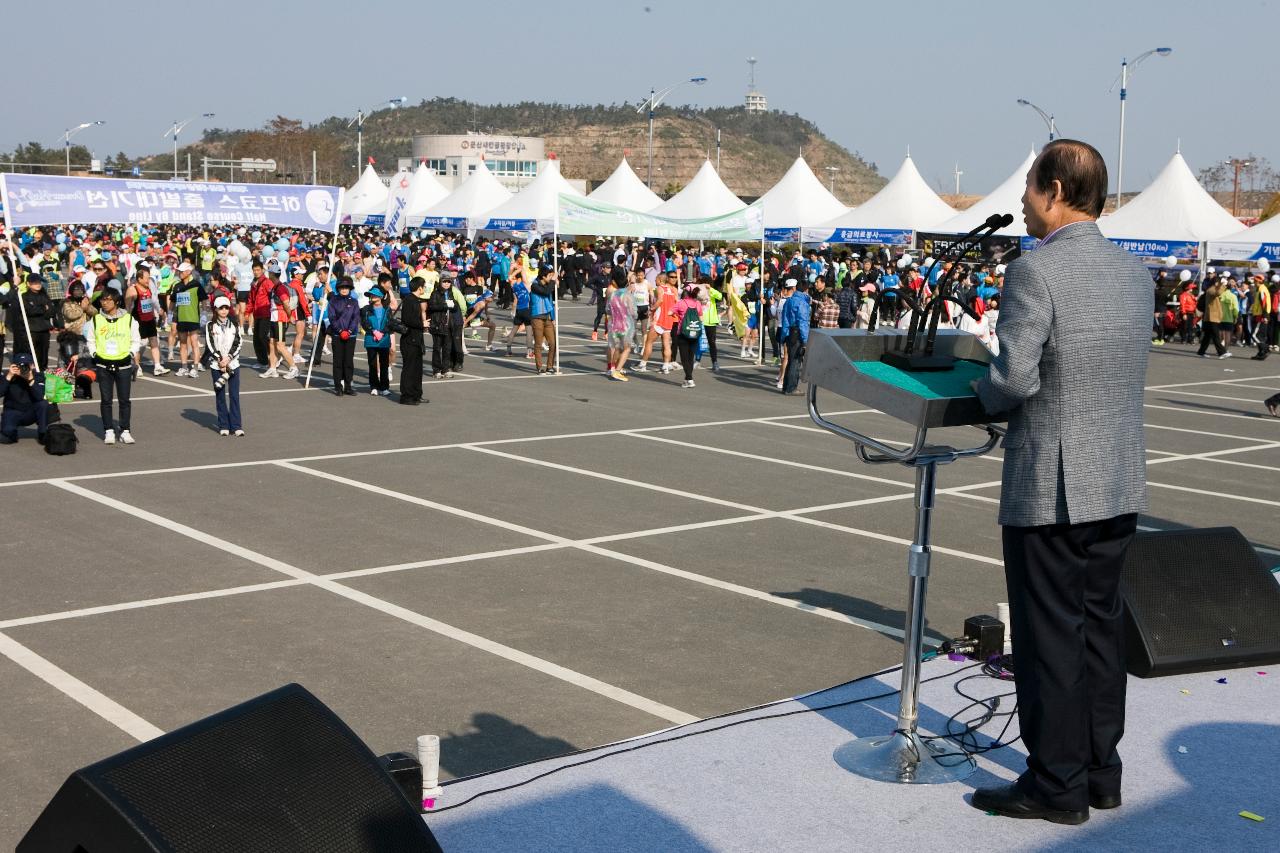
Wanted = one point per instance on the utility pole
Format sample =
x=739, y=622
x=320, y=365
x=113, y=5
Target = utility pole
x=1236, y=166
x=958, y=173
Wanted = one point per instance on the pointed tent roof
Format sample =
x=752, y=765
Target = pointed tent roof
x=1006, y=198
x=705, y=196
x=367, y=197
x=534, y=207
x=625, y=189
x=1173, y=207
x=425, y=191
x=1260, y=241
x=799, y=198
x=904, y=204
x=479, y=193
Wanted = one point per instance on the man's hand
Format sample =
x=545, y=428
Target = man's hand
x=14, y=370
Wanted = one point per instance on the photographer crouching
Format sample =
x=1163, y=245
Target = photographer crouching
x=22, y=390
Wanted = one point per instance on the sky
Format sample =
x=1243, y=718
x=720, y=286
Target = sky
x=939, y=78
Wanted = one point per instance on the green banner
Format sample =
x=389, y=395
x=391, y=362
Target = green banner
x=578, y=215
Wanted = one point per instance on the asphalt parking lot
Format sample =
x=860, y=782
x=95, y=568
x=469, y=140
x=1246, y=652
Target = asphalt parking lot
x=525, y=566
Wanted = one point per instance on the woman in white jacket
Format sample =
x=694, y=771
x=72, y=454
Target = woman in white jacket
x=222, y=343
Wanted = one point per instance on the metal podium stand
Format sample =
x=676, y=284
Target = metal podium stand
x=847, y=362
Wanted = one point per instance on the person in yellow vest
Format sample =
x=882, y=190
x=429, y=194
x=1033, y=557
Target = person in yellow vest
x=113, y=341
x=208, y=257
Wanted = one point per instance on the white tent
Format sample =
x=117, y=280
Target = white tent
x=425, y=191
x=462, y=208
x=1260, y=241
x=533, y=208
x=705, y=196
x=1173, y=209
x=367, y=198
x=624, y=189
x=798, y=199
x=1006, y=198
x=904, y=205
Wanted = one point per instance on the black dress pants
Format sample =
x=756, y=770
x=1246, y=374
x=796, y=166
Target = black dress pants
x=411, y=349
x=1069, y=655
x=1209, y=334
x=261, y=339
x=344, y=363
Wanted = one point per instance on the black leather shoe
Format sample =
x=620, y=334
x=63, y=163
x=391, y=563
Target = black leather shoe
x=1104, y=801
x=1010, y=801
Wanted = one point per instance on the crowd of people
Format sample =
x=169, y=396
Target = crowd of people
x=117, y=300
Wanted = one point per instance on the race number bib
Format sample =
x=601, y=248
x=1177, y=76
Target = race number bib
x=449, y=302
x=184, y=298
x=111, y=348
x=145, y=305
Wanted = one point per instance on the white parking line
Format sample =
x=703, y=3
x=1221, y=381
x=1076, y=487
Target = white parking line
x=105, y=707
x=514, y=655
x=1193, y=411
x=1255, y=400
x=192, y=388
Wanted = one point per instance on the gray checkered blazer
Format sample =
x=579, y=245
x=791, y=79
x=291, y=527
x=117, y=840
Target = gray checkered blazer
x=1074, y=329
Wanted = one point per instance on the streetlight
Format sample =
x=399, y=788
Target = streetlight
x=70, y=132
x=831, y=170
x=174, y=130
x=1123, y=79
x=1237, y=165
x=655, y=98
x=358, y=121
x=1048, y=119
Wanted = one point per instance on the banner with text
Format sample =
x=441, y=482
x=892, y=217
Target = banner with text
x=54, y=200
x=860, y=236
x=580, y=215
x=1185, y=250
x=996, y=250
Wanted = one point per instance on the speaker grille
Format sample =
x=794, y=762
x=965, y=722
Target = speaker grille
x=1201, y=593
x=278, y=777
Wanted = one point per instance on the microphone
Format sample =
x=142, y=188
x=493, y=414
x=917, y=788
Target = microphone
x=932, y=313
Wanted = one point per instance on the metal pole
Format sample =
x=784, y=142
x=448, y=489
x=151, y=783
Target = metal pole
x=315, y=178
x=1124, y=83
x=206, y=168
x=188, y=165
x=66, y=144
x=717, y=150
x=555, y=289
x=917, y=589
x=761, y=331
x=359, y=143
x=175, y=151
x=649, y=177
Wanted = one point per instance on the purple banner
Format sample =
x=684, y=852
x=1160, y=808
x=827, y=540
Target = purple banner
x=53, y=200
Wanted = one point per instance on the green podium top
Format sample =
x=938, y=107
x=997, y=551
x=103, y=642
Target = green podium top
x=931, y=385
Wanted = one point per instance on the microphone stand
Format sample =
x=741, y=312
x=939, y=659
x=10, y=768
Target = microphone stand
x=907, y=359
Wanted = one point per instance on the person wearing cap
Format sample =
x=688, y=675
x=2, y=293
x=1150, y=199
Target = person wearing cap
x=479, y=299
x=76, y=310
x=375, y=321
x=344, y=324
x=793, y=329
x=188, y=293
x=1212, y=320
x=522, y=319
x=22, y=392
x=283, y=307
x=31, y=309
x=664, y=301
x=142, y=301
x=1260, y=311
x=445, y=307
x=113, y=341
x=222, y=342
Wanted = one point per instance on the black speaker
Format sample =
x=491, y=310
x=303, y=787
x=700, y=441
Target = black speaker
x=278, y=773
x=1198, y=600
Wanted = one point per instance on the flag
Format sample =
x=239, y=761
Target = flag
x=393, y=222
x=370, y=161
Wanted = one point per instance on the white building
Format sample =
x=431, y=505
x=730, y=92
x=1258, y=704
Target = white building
x=513, y=160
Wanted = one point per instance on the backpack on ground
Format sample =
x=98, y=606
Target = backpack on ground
x=60, y=440
x=691, y=325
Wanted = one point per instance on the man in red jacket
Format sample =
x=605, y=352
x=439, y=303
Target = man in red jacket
x=260, y=308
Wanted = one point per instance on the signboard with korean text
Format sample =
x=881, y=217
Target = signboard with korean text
x=54, y=200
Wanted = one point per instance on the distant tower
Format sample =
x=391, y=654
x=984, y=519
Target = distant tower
x=756, y=102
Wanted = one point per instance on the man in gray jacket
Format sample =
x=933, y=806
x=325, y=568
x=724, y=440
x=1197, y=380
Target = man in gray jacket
x=1071, y=379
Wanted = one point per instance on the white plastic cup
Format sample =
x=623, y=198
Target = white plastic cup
x=1002, y=613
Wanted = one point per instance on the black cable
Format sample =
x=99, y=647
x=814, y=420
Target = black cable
x=728, y=725
x=966, y=737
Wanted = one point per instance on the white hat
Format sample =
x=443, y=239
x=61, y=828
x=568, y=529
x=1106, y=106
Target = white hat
x=78, y=268
x=221, y=301
x=1275, y=278
x=1226, y=273
x=185, y=267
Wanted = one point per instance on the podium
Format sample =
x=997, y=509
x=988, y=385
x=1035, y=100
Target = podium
x=848, y=362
